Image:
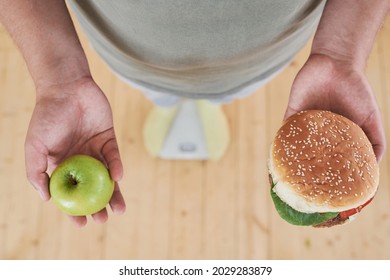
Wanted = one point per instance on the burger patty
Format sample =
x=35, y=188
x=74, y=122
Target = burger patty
x=332, y=222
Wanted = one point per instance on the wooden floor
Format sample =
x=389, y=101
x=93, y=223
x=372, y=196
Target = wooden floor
x=181, y=209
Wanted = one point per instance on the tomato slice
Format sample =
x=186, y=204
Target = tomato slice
x=350, y=212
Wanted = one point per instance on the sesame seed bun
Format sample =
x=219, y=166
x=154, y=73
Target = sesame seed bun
x=322, y=162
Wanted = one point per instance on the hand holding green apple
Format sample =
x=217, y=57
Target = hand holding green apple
x=81, y=185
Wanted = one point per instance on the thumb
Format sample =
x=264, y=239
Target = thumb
x=297, y=100
x=289, y=112
x=36, y=166
x=304, y=99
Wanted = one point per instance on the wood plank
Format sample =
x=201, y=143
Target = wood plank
x=252, y=181
x=187, y=210
x=220, y=185
x=18, y=205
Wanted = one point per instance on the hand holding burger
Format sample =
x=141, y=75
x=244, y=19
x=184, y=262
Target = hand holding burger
x=323, y=169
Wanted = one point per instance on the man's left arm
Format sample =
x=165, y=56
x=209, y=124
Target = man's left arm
x=333, y=78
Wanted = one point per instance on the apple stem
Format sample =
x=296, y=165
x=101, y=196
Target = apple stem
x=72, y=179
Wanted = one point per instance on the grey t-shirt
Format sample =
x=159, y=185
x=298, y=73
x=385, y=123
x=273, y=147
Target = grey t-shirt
x=195, y=48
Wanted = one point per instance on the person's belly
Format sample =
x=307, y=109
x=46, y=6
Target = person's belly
x=180, y=34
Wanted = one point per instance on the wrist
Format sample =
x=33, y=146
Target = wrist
x=65, y=83
x=59, y=71
x=337, y=57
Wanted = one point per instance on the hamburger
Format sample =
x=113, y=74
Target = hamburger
x=323, y=170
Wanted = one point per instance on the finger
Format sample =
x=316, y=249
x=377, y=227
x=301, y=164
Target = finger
x=36, y=166
x=379, y=151
x=117, y=201
x=101, y=216
x=79, y=221
x=374, y=130
x=110, y=152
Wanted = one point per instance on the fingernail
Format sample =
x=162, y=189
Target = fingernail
x=42, y=195
x=38, y=191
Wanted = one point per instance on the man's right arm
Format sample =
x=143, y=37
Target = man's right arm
x=46, y=37
x=72, y=115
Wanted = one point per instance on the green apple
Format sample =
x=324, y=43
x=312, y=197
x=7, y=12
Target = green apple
x=81, y=185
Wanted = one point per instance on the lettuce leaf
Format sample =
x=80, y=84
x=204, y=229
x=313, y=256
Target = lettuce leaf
x=295, y=217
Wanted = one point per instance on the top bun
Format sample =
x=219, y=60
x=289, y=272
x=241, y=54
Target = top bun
x=323, y=162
